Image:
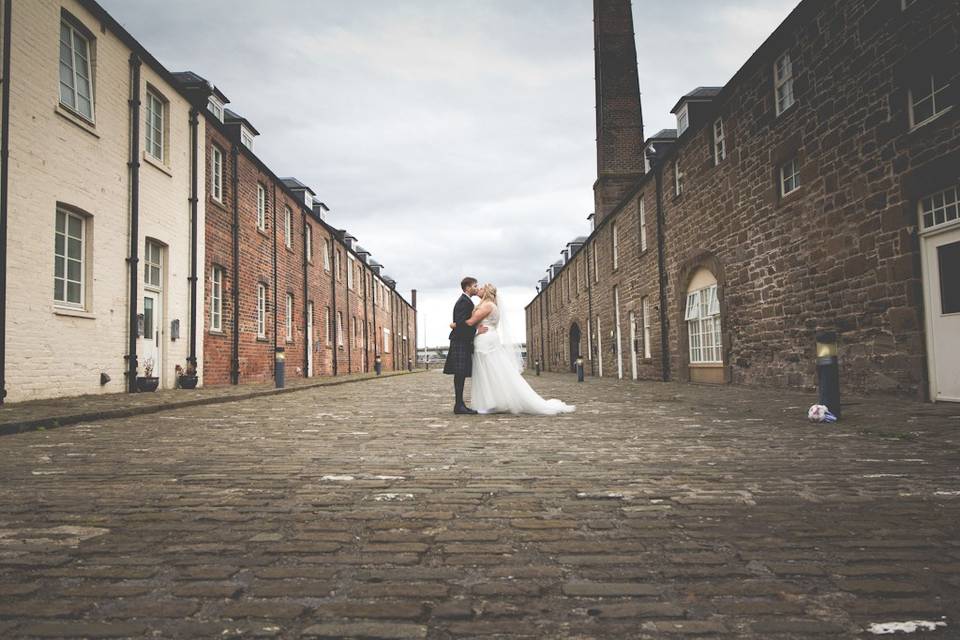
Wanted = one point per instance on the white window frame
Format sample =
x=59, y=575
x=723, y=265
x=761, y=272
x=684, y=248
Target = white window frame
x=386, y=340
x=704, y=335
x=351, y=266
x=67, y=259
x=216, y=299
x=308, y=242
x=645, y=318
x=246, y=138
x=783, y=97
x=683, y=120
x=615, y=233
x=337, y=265
x=328, y=325
x=340, y=329
x=261, y=207
x=261, y=310
x=288, y=318
x=939, y=209
x=149, y=265
x=793, y=177
x=215, y=107
x=216, y=173
x=719, y=142
x=677, y=178
x=287, y=227
x=643, y=224
x=596, y=272
x=156, y=123
x=326, y=255
x=932, y=96
x=79, y=74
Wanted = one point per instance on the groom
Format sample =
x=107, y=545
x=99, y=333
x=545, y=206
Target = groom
x=459, y=362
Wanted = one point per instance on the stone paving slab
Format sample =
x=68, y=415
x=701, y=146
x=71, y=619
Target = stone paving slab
x=371, y=511
x=58, y=412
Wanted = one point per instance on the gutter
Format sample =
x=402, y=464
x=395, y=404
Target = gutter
x=134, y=257
x=4, y=173
x=333, y=296
x=590, y=327
x=307, y=339
x=235, y=232
x=194, y=190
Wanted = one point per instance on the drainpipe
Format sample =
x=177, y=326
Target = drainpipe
x=194, y=189
x=134, y=258
x=235, y=232
x=275, y=314
x=306, y=342
x=4, y=169
x=346, y=308
x=376, y=350
x=543, y=362
x=664, y=338
x=591, y=320
x=366, y=326
x=333, y=295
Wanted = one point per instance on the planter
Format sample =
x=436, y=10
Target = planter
x=147, y=384
x=188, y=382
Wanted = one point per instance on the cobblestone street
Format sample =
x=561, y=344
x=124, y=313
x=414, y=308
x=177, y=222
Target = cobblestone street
x=370, y=510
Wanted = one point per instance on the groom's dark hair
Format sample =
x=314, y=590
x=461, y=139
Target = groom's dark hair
x=467, y=282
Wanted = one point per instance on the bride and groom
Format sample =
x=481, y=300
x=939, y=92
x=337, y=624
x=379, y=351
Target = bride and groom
x=480, y=348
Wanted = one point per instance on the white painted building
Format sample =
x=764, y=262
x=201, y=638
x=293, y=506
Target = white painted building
x=74, y=197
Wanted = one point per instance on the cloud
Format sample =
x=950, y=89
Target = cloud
x=452, y=137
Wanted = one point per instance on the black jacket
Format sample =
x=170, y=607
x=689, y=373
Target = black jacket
x=461, y=313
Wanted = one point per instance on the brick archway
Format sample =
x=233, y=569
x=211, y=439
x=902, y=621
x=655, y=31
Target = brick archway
x=709, y=261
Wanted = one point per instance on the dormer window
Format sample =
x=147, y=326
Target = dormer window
x=246, y=138
x=215, y=107
x=683, y=120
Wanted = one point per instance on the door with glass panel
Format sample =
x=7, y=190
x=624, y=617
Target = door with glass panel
x=940, y=247
x=152, y=339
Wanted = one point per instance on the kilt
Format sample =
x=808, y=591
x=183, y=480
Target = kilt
x=459, y=359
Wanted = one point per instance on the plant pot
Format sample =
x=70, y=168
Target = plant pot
x=147, y=384
x=188, y=382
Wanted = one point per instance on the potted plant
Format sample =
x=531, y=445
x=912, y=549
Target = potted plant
x=147, y=382
x=187, y=378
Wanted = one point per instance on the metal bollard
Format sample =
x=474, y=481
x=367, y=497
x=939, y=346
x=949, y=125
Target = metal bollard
x=409, y=364
x=828, y=372
x=580, y=369
x=279, y=359
x=377, y=365
x=538, y=367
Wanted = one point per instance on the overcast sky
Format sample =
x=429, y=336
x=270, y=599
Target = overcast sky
x=452, y=137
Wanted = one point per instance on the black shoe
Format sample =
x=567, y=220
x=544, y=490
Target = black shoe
x=462, y=409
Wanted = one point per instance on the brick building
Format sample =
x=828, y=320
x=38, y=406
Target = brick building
x=815, y=191
x=114, y=173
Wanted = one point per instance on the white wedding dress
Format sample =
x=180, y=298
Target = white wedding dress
x=497, y=385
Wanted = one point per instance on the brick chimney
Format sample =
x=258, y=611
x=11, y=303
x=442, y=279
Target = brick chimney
x=413, y=298
x=619, y=119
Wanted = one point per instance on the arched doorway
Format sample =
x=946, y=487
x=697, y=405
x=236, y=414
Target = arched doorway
x=574, y=346
x=704, y=332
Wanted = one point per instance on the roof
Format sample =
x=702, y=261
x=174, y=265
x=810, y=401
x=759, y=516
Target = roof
x=190, y=79
x=232, y=116
x=293, y=183
x=663, y=134
x=700, y=94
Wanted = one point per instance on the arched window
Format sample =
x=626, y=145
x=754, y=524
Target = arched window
x=703, y=319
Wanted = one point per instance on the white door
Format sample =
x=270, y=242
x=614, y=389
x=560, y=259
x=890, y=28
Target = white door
x=941, y=283
x=309, y=339
x=152, y=338
x=599, y=348
x=633, y=346
x=618, y=348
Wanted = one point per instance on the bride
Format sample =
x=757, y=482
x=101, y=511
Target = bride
x=497, y=384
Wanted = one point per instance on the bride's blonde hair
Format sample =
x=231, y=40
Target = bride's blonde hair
x=489, y=293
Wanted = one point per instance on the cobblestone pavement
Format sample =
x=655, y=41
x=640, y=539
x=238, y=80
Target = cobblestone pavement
x=370, y=510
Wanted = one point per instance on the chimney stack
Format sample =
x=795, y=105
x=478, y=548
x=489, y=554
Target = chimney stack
x=619, y=118
x=413, y=298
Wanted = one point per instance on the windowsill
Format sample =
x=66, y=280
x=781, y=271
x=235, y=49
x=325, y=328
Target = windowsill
x=706, y=365
x=76, y=119
x=790, y=197
x=218, y=203
x=787, y=110
x=73, y=313
x=933, y=118
x=262, y=339
x=157, y=164
x=289, y=249
x=216, y=332
x=263, y=232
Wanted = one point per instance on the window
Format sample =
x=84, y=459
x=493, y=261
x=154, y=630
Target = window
x=928, y=98
x=246, y=138
x=261, y=208
x=216, y=173
x=69, y=259
x=326, y=256
x=356, y=333
x=783, y=83
x=677, y=178
x=719, y=145
x=308, y=242
x=288, y=318
x=261, y=311
x=789, y=177
x=326, y=324
x=703, y=323
x=287, y=227
x=350, y=269
x=386, y=340
x=340, y=329
x=336, y=265
x=643, y=226
x=215, y=107
x=76, y=79
x=153, y=265
x=616, y=245
x=683, y=120
x=645, y=312
x=156, y=115
x=596, y=273
x=216, y=299
x=579, y=275
x=940, y=208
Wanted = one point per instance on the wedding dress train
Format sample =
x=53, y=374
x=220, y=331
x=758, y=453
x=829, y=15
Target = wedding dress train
x=498, y=386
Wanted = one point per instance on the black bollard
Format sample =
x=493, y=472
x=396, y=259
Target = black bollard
x=538, y=367
x=279, y=364
x=828, y=372
x=579, y=369
x=377, y=365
